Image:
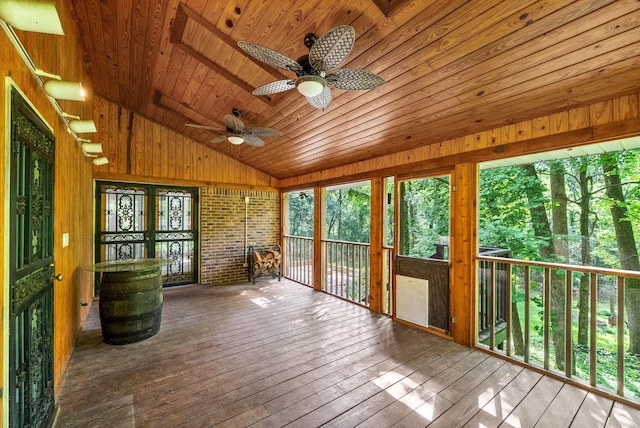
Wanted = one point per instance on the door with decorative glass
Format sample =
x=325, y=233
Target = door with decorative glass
x=31, y=271
x=148, y=221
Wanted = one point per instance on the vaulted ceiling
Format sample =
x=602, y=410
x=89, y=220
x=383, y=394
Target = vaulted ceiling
x=450, y=68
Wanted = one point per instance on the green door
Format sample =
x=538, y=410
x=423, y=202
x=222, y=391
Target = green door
x=31, y=268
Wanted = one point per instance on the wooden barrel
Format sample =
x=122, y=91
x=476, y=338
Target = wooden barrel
x=130, y=305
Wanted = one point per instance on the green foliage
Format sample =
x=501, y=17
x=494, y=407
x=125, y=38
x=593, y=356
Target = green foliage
x=424, y=213
x=349, y=213
x=300, y=206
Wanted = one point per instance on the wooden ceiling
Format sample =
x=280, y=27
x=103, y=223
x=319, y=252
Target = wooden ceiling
x=451, y=68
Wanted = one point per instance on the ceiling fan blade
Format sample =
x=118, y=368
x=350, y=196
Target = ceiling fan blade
x=330, y=50
x=263, y=132
x=233, y=123
x=269, y=56
x=219, y=139
x=322, y=100
x=253, y=140
x=351, y=79
x=275, y=87
x=209, y=128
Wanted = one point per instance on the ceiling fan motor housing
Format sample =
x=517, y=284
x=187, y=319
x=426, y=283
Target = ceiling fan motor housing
x=310, y=39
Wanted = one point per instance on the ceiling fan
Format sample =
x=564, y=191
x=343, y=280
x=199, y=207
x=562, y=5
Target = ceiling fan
x=315, y=79
x=236, y=133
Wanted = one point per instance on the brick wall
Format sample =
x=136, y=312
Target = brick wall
x=222, y=229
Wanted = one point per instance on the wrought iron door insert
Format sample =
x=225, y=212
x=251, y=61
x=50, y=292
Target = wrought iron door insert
x=31, y=399
x=148, y=221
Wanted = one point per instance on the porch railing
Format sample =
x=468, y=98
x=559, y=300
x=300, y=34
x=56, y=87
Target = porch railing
x=298, y=259
x=347, y=270
x=547, y=324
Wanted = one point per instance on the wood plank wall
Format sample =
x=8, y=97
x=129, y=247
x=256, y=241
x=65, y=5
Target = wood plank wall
x=143, y=151
x=73, y=211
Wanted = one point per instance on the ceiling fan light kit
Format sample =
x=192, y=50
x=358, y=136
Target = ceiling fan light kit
x=235, y=139
x=310, y=86
x=236, y=133
x=314, y=78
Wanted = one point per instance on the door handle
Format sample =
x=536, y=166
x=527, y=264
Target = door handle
x=58, y=277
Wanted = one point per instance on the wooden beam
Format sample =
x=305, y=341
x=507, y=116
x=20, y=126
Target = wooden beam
x=174, y=106
x=186, y=13
x=183, y=15
x=387, y=7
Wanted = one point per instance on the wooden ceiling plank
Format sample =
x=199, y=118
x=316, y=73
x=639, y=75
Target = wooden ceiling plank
x=437, y=35
x=431, y=42
x=442, y=31
x=413, y=91
x=561, y=57
x=156, y=13
x=336, y=146
x=557, y=100
x=88, y=24
x=370, y=132
x=164, y=48
x=138, y=22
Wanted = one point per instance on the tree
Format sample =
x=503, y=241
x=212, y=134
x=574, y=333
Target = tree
x=542, y=229
x=584, y=181
x=627, y=249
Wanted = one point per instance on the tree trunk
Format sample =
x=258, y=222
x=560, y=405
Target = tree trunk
x=516, y=330
x=626, y=247
x=585, y=253
x=560, y=232
x=542, y=229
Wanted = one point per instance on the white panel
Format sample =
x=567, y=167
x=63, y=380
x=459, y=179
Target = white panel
x=412, y=300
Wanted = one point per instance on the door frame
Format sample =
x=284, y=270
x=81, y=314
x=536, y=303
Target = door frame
x=9, y=86
x=414, y=175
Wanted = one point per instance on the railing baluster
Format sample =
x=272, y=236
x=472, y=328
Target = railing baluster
x=568, y=342
x=620, y=325
x=547, y=314
x=508, y=313
x=593, y=325
x=527, y=313
x=492, y=306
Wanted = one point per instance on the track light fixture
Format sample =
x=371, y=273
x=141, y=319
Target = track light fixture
x=82, y=126
x=40, y=16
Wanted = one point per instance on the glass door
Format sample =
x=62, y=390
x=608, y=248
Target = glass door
x=148, y=221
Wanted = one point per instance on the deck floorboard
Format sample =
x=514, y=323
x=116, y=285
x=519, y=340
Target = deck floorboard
x=278, y=354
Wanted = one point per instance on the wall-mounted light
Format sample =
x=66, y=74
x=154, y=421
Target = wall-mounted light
x=90, y=147
x=39, y=16
x=59, y=89
x=62, y=90
x=82, y=126
x=235, y=139
x=102, y=160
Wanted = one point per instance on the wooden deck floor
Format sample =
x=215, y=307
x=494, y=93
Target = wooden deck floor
x=278, y=353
